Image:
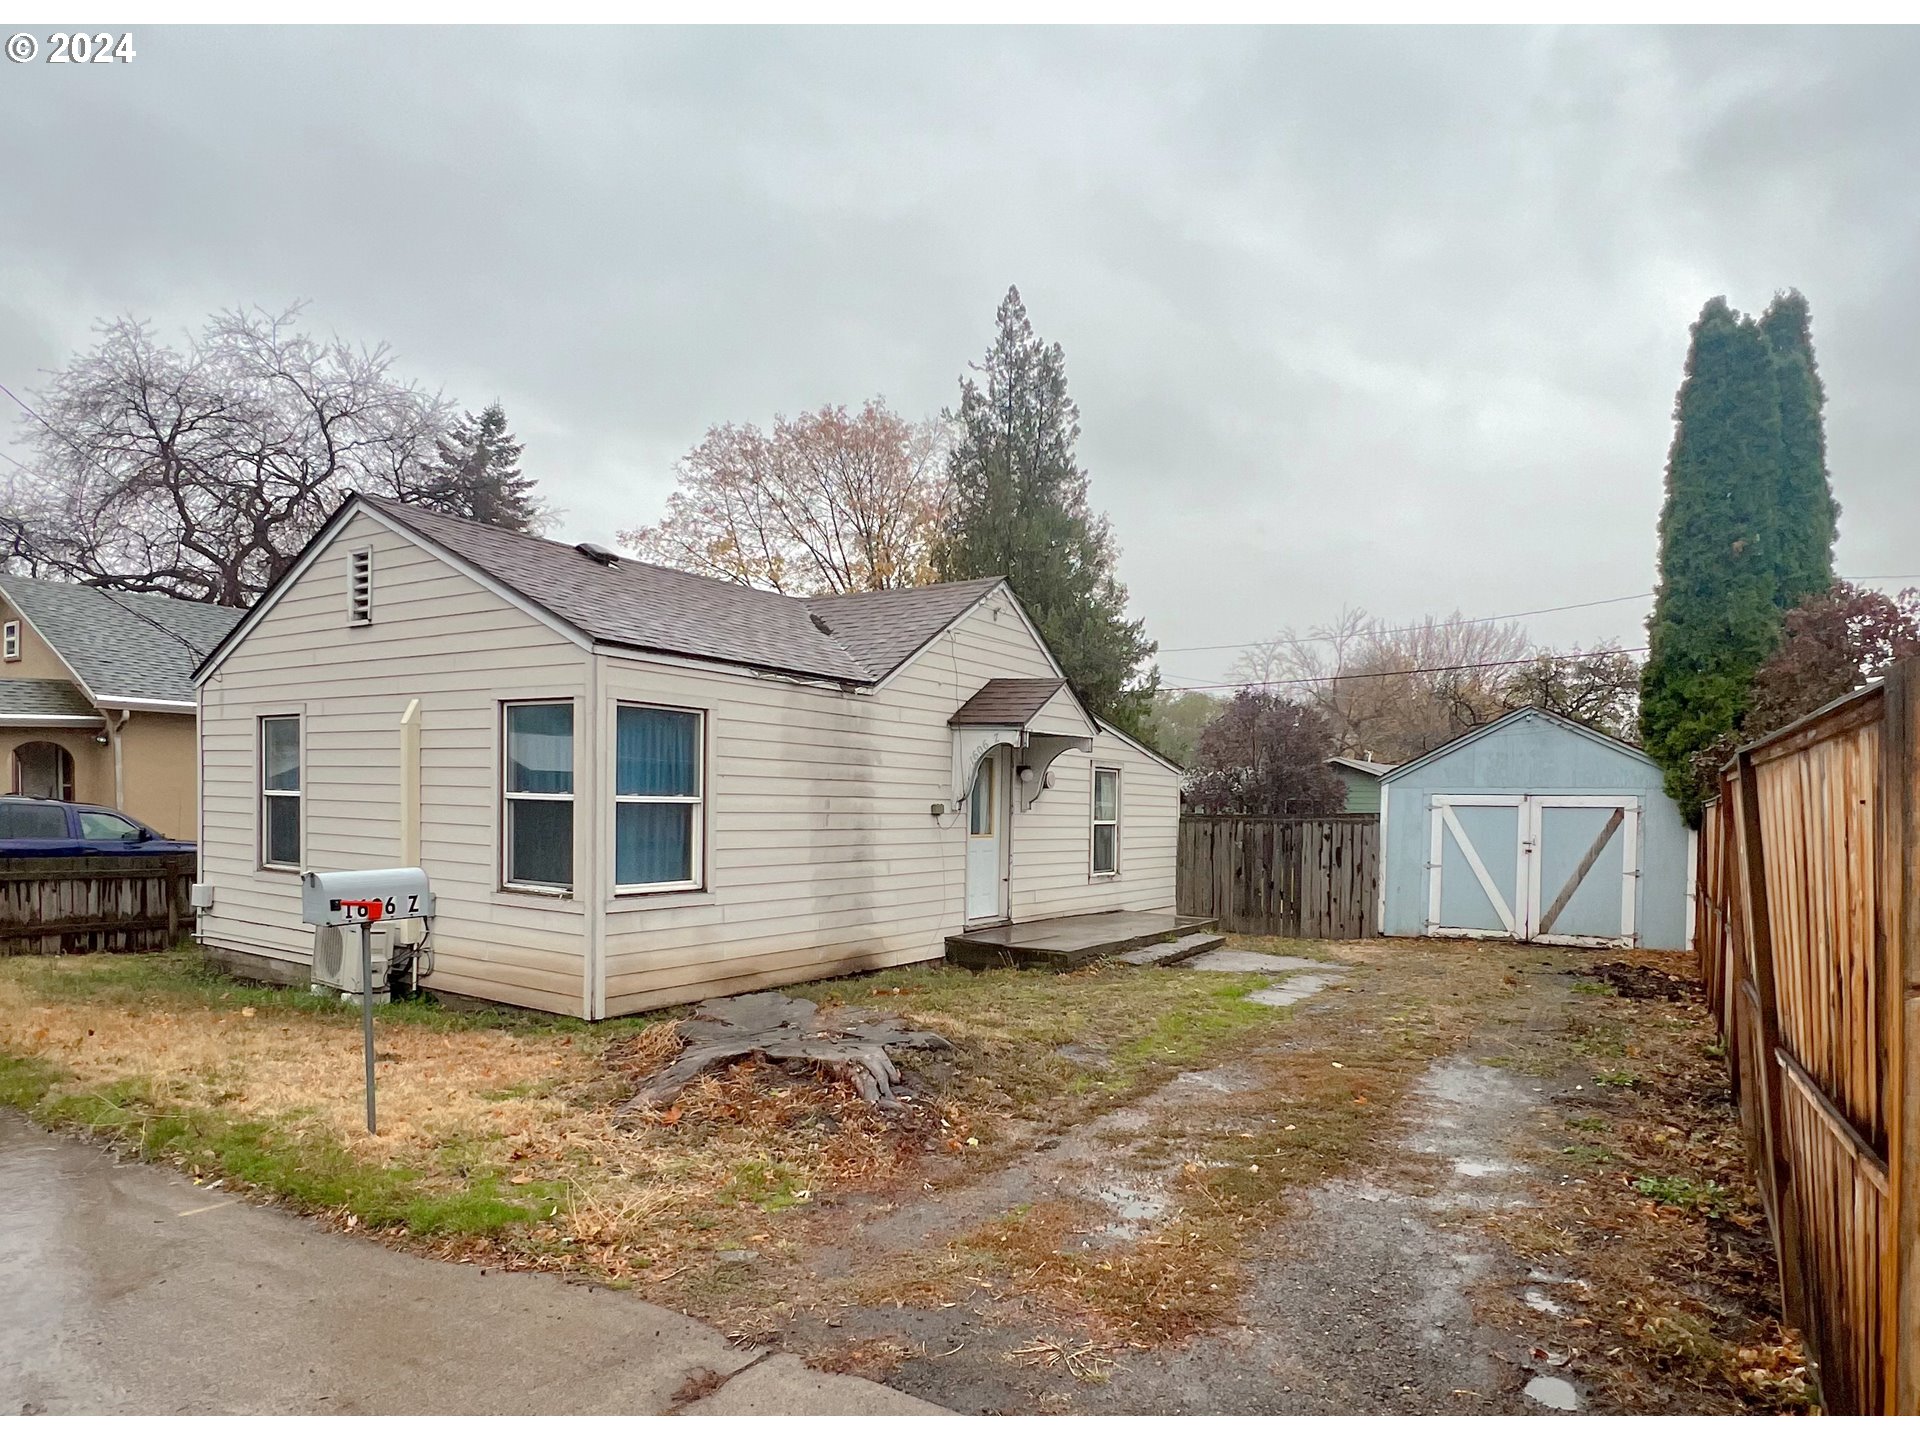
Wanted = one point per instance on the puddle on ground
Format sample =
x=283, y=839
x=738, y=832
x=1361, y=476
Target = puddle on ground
x=1480, y=1169
x=1133, y=1210
x=1553, y=1392
x=1538, y=1299
x=1291, y=990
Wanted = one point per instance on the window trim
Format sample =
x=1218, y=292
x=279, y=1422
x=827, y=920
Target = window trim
x=697, y=802
x=297, y=795
x=359, y=606
x=507, y=797
x=10, y=645
x=1094, y=823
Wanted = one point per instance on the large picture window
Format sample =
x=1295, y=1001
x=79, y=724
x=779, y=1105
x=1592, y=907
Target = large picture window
x=280, y=791
x=538, y=795
x=1106, y=822
x=659, y=797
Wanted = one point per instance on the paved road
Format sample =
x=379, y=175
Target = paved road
x=126, y=1289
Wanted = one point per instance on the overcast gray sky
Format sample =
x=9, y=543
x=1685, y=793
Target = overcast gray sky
x=1383, y=317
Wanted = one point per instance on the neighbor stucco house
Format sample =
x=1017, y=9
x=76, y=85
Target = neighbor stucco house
x=633, y=787
x=97, y=696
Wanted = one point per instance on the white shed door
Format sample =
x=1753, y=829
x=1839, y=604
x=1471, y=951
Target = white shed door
x=986, y=841
x=1561, y=869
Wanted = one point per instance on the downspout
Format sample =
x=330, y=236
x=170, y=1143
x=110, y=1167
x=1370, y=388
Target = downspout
x=592, y=863
x=119, y=768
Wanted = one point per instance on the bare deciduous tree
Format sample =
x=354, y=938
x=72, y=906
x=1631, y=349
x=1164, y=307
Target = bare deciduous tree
x=200, y=471
x=827, y=503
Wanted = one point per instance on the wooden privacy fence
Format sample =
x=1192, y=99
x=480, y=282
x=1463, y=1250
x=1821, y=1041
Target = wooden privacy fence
x=1808, y=927
x=94, y=902
x=1318, y=878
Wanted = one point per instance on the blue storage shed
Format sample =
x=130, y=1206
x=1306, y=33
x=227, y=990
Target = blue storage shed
x=1535, y=827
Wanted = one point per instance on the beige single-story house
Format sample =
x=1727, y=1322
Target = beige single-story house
x=96, y=696
x=632, y=787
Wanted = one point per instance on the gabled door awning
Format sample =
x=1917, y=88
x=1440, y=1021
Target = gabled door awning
x=1001, y=712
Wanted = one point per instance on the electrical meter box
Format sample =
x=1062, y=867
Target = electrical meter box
x=364, y=897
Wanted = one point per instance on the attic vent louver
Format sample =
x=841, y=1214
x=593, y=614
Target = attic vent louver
x=599, y=554
x=819, y=624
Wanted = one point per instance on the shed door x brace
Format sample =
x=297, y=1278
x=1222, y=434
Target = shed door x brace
x=1561, y=869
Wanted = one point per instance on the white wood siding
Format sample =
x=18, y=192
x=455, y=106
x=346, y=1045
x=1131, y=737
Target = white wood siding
x=821, y=854
x=438, y=637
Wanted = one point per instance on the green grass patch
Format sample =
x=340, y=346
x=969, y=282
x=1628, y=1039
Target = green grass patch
x=1619, y=1079
x=1709, y=1197
x=1593, y=987
x=276, y=1155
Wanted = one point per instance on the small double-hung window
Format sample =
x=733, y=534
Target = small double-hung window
x=280, y=791
x=659, y=795
x=1106, y=822
x=538, y=796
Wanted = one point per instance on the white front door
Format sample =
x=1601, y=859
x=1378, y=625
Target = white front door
x=986, y=841
x=1563, y=869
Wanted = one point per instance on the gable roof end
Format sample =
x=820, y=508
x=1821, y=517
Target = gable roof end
x=1515, y=717
x=123, y=646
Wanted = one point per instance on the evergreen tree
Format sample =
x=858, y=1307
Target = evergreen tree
x=1716, y=613
x=1805, y=512
x=476, y=475
x=1018, y=508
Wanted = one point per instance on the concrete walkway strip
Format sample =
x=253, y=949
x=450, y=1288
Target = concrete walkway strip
x=111, y=1302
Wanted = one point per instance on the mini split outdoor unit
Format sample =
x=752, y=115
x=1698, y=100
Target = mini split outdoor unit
x=336, y=961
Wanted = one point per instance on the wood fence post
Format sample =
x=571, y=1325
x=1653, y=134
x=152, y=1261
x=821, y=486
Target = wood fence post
x=1788, y=1243
x=1899, y=977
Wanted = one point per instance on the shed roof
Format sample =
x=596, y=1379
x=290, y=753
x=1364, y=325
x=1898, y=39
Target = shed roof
x=44, y=699
x=1007, y=702
x=120, y=644
x=1514, y=717
x=1365, y=767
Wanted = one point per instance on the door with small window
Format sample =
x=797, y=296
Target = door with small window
x=987, y=816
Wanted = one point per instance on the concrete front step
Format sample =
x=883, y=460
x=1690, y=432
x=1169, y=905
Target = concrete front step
x=1172, y=952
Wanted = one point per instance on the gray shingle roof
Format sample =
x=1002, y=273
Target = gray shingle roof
x=122, y=644
x=651, y=607
x=43, y=697
x=1006, y=702
x=884, y=627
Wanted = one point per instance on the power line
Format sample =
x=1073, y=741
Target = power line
x=1436, y=624
x=1410, y=670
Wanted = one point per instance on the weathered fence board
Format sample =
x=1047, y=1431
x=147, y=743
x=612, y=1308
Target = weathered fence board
x=1808, y=928
x=1315, y=878
x=94, y=902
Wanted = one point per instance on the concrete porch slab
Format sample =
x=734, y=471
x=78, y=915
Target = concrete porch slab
x=1068, y=941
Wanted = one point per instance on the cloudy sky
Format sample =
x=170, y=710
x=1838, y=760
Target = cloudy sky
x=1390, y=318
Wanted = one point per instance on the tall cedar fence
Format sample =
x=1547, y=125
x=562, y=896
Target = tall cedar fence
x=1808, y=928
x=75, y=904
x=1317, y=878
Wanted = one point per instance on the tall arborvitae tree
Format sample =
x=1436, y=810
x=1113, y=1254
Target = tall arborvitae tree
x=1805, y=515
x=1018, y=508
x=1716, y=613
x=476, y=475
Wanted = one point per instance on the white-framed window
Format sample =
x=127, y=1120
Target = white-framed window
x=10, y=640
x=360, y=588
x=537, y=795
x=1106, y=821
x=280, y=792
x=659, y=799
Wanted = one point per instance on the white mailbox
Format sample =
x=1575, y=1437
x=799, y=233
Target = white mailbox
x=364, y=897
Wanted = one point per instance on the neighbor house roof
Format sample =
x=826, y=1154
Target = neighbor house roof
x=44, y=700
x=119, y=644
x=1007, y=703
x=1365, y=767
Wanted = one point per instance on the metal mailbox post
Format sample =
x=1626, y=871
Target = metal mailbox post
x=364, y=898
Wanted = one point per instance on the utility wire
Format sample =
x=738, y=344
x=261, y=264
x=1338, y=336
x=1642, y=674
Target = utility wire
x=1410, y=670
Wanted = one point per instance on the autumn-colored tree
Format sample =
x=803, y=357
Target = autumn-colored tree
x=830, y=502
x=1264, y=754
x=1175, y=720
x=1596, y=686
x=1831, y=645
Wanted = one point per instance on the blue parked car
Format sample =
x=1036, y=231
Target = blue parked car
x=60, y=827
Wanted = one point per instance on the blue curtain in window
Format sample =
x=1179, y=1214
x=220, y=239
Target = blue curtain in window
x=540, y=749
x=657, y=752
x=652, y=844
